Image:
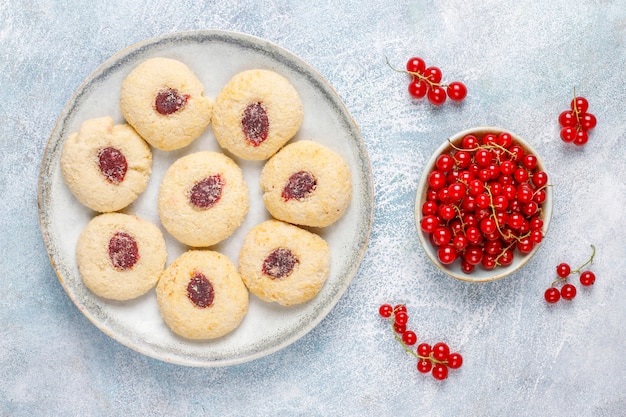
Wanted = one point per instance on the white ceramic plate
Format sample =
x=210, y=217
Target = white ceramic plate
x=214, y=56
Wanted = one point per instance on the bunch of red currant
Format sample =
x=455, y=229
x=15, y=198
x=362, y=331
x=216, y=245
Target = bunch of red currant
x=436, y=359
x=568, y=291
x=484, y=201
x=576, y=123
x=426, y=82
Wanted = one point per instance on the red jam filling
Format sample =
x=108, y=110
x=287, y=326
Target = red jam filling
x=280, y=263
x=200, y=290
x=112, y=164
x=123, y=251
x=255, y=124
x=207, y=192
x=299, y=186
x=169, y=100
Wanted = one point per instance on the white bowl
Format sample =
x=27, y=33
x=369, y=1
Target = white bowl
x=479, y=274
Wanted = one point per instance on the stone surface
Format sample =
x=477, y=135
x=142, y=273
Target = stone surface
x=520, y=61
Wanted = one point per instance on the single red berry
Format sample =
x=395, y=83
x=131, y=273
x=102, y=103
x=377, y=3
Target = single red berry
x=433, y=74
x=401, y=318
x=587, y=278
x=567, y=118
x=416, y=64
x=440, y=351
x=455, y=360
x=399, y=307
x=418, y=88
x=423, y=349
x=579, y=104
x=581, y=137
x=440, y=372
x=563, y=270
x=437, y=95
x=447, y=254
x=409, y=338
x=568, y=134
x=399, y=328
x=568, y=292
x=385, y=310
x=552, y=295
x=424, y=366
x=457, y=91
x=587, y=121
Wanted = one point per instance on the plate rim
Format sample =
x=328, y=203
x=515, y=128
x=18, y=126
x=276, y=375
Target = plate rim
x=263, y=46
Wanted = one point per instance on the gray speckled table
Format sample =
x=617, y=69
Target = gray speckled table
x=520, y=61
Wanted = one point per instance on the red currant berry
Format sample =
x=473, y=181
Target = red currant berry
x=447, y=254
x=568, y=292
x=385, y=310
x=579, y=104
x=457, y=91
x=433, y=74
x=440, y=372
x=563, y=270
x=444, y=162
x=587, y=278
x=399, y=328
x=581, y=137
x=399, y=307
x=409, y=338
x=424, y=366
x=568, y=134
x=539, y=179
x=437, y=95
x=455, y=360
x=401, y=317
x=418, y=88
x=429, y=223
x=587, y=121
x=567, y=118
x=440, y=351
x=423, y=349
x=416, y=64
x=552, y=295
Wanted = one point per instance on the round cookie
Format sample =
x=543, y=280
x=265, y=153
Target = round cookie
x=201, y=295
x=120, y=256
x=106, y=166
x=307, y=184
x=164, y=101
x=203, y=198
x=256, y=113
x=283, y=263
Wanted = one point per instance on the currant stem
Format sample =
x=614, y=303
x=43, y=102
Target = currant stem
x=488, y=146
x=416, y=74
x=577, y=270
x=409, y=350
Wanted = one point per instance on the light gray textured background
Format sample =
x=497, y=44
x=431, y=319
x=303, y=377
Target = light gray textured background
x=520, y=61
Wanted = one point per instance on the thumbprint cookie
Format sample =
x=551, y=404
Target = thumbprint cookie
x=120, y=256
x=106, y=166
x=306, y=184
x=201, y=295
x=164, y=101
x=203, y=198
x=283, y=263
x=256, y=113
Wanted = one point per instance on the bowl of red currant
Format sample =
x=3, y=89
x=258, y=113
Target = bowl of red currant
x=483, y=205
